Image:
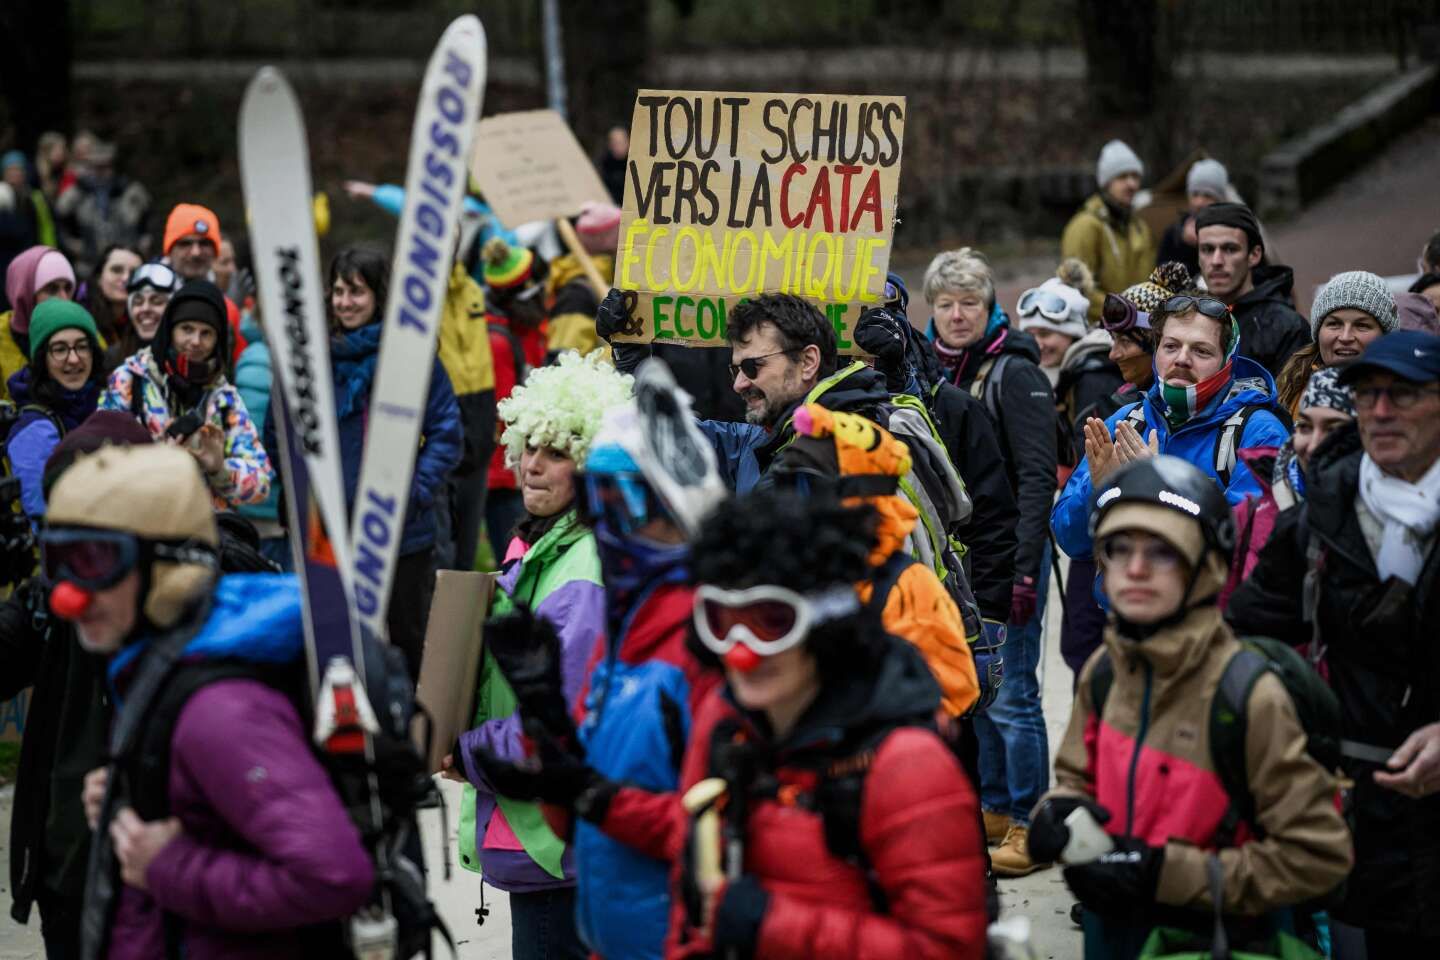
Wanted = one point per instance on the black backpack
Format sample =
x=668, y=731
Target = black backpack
x=1316, y=707
x=986, y=388
x=1227, y=440
x=404, y=786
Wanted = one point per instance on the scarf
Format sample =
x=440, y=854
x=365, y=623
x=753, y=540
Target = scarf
x=353, y=355
x=1182, y=403
x=1409, y=511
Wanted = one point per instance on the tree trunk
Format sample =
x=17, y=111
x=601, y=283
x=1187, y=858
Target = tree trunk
x=1123, y=62
x=605, y=58
x=35, y=70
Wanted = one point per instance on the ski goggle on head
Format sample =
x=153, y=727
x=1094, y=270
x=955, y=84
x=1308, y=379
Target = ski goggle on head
x=156, y=275
x=1047, y=303
x=79, y=562
x=744, y=626
x=1119, y=315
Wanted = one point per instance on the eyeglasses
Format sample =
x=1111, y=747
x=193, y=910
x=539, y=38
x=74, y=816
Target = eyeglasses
x=1208, y=306
x=1159, y=556
x=1402, y=396
x=750, y=366
x=768, y=619
x=1119, y=315
x=153, y=274
x=59, y=351
x=1047, y=303
x=92, y=559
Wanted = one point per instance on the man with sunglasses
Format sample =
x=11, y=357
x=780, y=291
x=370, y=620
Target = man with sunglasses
x=244, y=840
x=1354, y=571
x=1141, y=755
x=1236, y=272
x=1205, y=405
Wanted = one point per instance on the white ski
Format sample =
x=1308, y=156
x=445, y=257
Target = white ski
x=275, y=175
x=445, y=119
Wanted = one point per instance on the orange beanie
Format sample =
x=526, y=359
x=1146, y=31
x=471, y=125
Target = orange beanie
x=188, y=218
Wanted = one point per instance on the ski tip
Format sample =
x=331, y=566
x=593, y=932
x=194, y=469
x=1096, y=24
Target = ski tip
x=466, y=24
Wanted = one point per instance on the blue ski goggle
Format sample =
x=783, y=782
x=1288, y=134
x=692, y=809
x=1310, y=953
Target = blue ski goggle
x=620, y=502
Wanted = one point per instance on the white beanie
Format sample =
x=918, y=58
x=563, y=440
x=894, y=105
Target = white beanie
x=1208, y=177
x=1074, y=323
x=1116, y=158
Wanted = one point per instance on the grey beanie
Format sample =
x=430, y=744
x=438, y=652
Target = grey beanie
x=1355, y=290
x=1208, y=177
x=1116, y=158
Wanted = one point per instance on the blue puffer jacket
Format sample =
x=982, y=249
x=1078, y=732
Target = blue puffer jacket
x=1195, y=442
x=253, y=377
x=353, y=358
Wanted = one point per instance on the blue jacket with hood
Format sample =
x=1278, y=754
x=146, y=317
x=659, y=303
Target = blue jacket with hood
x=1251, y=385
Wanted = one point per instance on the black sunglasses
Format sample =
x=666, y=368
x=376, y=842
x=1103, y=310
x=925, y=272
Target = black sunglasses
x=1208, y=306
x=750, y=366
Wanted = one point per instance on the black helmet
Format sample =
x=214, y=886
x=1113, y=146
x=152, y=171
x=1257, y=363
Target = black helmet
x=1175, y=484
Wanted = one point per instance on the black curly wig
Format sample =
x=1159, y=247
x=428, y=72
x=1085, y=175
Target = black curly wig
x=806, y=544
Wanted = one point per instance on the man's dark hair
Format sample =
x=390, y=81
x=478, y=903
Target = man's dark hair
x=1235, y=215
x=798, y=322
x=1159, y=316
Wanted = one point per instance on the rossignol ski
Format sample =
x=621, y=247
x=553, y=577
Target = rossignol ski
x=275, y=174
x=445, y=119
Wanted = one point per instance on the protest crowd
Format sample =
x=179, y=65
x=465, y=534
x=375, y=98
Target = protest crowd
x=760, y=672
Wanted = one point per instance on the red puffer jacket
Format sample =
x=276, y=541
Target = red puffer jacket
x=917, y=828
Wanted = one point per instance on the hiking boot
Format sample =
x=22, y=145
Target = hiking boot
x=997, y=825
x=1013, y=857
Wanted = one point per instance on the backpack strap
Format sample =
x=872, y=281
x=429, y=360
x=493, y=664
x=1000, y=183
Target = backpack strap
x=884, y=578
x=1102, y=678
x=1229, y=721
x=48, y=414
x=1227, y=442
x=986, y=385
x=1136, y=418
x=1310, y=592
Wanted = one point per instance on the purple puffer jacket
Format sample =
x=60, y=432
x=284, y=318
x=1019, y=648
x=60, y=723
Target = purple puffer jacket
x=266, y=847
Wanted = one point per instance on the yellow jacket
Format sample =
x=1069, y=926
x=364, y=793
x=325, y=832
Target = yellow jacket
x=573, y=303
x=11, y=357
x=1119, y=257
x=465, y=337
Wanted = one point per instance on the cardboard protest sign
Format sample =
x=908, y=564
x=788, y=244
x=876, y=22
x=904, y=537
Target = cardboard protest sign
x=731, y=195
x=450, y=666
x=530, y=167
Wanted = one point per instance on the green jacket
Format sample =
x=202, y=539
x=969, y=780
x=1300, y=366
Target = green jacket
x=558, y=579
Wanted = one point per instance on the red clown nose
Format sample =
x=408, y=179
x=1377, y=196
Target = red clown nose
x=742, y=658
x=68, y=601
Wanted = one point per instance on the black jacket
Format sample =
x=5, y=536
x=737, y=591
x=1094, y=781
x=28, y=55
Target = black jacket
x=1385, y=668
x=1270, y=327
x=1088, y=378
x=989, y=535
x=1174, y=248
x=64, y=740
x=1027, y=437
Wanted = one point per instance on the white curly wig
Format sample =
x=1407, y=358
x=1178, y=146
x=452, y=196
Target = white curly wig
x=561, y=406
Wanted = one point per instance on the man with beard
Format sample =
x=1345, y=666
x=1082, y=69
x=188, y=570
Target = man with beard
x=1236, y=272
x=1206, y=404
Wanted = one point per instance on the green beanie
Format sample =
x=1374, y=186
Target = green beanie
x=58, y=314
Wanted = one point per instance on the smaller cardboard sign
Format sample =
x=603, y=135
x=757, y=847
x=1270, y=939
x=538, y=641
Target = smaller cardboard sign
x=450, y=666
x=530, y=167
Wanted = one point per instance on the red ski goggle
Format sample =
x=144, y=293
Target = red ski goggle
x=764, y=620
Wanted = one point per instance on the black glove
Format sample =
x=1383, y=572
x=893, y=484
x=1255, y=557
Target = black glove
x=561, y=778
x=1122, y=883
x=1048, y=832
x=882, y=333
x=527, y=650
x=738, y=916
x=616, y=314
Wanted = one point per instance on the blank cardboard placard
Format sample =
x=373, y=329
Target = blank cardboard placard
x=731, y=195
x=530, y=167
x=450, y=668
